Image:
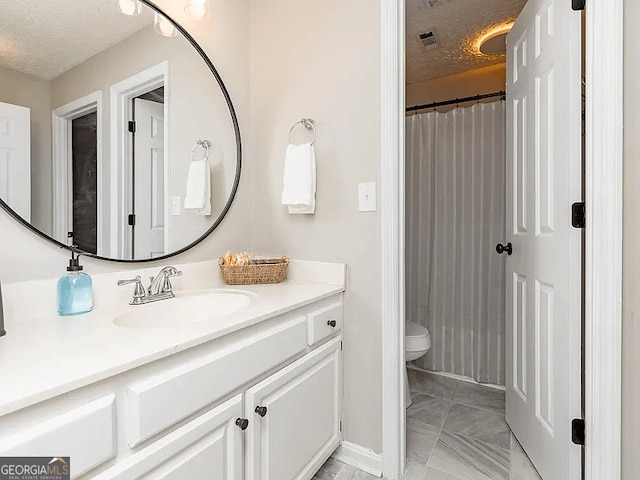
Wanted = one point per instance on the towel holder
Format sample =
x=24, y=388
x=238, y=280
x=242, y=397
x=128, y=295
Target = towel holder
x=309, y=124
x=206, y=144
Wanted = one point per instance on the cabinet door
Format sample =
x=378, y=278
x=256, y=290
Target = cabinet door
x=207, y=448
x=300, y=426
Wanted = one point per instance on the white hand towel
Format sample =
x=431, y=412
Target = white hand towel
x=198, y=195
x=299, y=179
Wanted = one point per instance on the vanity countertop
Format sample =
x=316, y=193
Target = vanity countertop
x=46, y=356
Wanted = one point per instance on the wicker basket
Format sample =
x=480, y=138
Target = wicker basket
x=268, y=270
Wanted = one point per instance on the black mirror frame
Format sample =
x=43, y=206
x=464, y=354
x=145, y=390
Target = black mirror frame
x=236, y=181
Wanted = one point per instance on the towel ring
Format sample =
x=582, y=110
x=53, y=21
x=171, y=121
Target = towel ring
x=206, y=144
x=308, y=124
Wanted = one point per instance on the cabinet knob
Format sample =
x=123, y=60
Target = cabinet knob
x=243, y=423
x=262, y=411
x=332, y=323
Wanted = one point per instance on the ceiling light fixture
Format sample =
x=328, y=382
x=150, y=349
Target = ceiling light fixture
x=130, y=7
x=163, y=26
x=196, y=9
x=493, y=41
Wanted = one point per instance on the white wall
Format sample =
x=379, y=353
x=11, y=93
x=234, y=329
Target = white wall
x=631, y=248
x=322, y=60
x=465, y=84
x=197, y=110
x=28, y=91
x=24, y=256
x=283, y=60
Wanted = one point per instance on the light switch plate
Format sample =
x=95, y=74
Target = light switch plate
x=367, y=197
x=175, y=206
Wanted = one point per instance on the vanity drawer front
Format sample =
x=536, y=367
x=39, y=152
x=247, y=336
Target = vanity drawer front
x=324, y=322
x=86, y=434
x=165, y=399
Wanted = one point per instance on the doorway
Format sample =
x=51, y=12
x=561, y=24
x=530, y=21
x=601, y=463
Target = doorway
x=542, y=354
x=147, y=176
x=140, y=177
x=603, y=174
x=84, y=181
x=78, y=174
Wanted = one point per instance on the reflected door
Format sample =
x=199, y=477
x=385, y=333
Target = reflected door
x=148, y=180
x=544, y=173
x=15, y=158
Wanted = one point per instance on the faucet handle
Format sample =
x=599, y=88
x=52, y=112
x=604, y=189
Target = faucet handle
x=173, y=272
x=166, y=284
x=138, y=292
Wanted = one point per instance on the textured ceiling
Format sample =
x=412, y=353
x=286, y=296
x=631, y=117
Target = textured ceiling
x=45, y=38
x=457, y=24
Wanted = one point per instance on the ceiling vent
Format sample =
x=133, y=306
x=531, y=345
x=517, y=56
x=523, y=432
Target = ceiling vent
x=428, y=40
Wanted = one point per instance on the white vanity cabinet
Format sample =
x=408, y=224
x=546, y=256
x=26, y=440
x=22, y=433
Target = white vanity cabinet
x=259, y=403
x=295, y=416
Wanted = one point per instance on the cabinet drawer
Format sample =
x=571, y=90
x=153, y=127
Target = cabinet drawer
x=321, y=322
x=162, y=400
x=86, y=434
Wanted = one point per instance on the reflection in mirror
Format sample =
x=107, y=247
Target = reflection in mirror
x=99, y=117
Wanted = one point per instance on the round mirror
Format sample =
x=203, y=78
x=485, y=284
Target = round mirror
x=117, y=134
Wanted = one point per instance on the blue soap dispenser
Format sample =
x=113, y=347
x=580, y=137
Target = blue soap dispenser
x=75, y=294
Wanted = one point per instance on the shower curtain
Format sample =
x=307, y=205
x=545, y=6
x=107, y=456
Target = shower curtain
x=455, y=216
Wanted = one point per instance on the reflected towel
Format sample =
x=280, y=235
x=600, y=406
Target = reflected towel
x=198, y=195
x=299, y=179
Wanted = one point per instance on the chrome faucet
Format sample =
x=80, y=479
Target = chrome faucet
x=159, y=288
x=160, y=283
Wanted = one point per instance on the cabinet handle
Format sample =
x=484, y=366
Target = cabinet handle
x=243, y=423
x=332, y=323
x=262, y=411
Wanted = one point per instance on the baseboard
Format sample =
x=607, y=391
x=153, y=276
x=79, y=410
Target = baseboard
x=462, y=378
x=359, y=457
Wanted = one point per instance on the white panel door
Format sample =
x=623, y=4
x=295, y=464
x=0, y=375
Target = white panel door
x=15, y=158
x=149, y=187
x=299, y=426
x=544, y=172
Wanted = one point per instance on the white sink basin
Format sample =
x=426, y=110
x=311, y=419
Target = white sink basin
x=189, y=307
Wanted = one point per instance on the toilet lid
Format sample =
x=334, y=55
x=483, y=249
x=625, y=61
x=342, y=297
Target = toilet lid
x=413, y=329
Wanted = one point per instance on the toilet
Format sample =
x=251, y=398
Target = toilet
x=417, y=343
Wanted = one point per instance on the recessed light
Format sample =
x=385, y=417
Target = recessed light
x=493, y=41
x=495, y=45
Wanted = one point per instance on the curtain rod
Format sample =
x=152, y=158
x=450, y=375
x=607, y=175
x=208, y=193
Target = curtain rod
x=455, y=101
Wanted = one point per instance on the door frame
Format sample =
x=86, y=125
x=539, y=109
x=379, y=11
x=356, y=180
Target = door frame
x=603, y=237
x=62, y=174
x=122, y=95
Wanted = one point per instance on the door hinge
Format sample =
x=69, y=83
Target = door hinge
x=340, y=425
x=340, y=345
x=578, y=4
x=132, y=219
x=132, y=127
x=578, y=215
x=577, y=431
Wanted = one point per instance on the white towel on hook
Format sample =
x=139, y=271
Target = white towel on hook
x=198, y=195
x=299, y=179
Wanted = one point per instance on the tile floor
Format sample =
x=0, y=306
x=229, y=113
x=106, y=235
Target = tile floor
x=455, y=431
